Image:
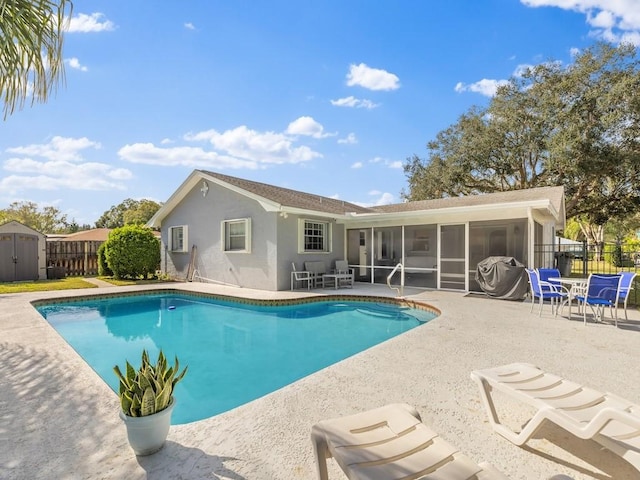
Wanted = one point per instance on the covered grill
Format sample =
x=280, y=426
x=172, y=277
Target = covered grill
x=502, y=277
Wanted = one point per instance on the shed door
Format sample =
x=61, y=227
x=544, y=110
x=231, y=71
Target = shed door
x=18, y=257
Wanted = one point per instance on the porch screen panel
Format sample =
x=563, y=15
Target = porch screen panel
x=420, y=255
x=495, y=238
x=452, y=257
x=387, y=251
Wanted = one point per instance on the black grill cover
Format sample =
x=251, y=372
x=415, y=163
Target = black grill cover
x=502, y=277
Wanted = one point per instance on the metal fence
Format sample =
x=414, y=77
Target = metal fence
x=579, y=260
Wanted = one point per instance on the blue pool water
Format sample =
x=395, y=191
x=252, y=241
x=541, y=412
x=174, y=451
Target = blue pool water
x=236, y=352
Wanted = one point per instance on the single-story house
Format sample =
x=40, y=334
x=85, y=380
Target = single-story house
x=22, y=253
x=240, y=232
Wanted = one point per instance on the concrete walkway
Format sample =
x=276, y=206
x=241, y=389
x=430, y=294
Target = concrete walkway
x=58, y=419
x=97, y=282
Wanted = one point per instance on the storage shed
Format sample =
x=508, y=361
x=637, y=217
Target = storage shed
x=22, y=253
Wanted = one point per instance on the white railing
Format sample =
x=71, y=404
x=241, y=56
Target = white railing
x=395, y=269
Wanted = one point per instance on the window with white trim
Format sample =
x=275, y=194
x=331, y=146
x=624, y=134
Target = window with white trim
x=315, y=236
x=237, y=235
x=178, y=238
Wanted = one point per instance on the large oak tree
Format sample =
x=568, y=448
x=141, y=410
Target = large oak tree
x=576, y=126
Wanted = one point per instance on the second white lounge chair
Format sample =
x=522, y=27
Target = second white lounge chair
x=391, y=443
x=611, y=421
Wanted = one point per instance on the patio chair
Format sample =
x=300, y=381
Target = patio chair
x=626, y=284
x=301, y=276
x=545, y=291
x=546, y=273
x=317, y=270
x=601, y=291
x=391, y=442
x=609, y=420
x=342, y=268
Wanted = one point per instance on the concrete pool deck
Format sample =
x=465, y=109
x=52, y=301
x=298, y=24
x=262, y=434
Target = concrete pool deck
x=58, y=419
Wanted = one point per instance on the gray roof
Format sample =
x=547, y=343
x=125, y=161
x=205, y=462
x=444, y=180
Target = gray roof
x=291, y=198
x=307, y=201
x=554, y=194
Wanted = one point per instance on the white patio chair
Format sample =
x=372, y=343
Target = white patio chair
x=300, y=276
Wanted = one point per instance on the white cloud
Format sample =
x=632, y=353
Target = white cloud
x=601, y=19
x=396, y=164
x=385, y=199
x=371, y=78
x=349, y=139
x=194, y=157
x=307, y=126
x=83, y=23
x=59, y=148
x=612, y=20
x=240, y=147
x=189, y=26
x=74, y=63
x=357, y=165
x=484, y=87
x=61, y=166
x=354, y=103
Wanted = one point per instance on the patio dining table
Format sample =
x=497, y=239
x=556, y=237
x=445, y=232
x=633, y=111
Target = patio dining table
x=575, y=285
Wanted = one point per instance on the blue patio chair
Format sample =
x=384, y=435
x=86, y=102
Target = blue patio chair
x=626, y=284
x=601, y=291
x=545, y=291
x=546, y=273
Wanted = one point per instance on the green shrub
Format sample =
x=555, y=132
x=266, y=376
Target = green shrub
x=103, y=267
x=616, y=257
x=132, y=251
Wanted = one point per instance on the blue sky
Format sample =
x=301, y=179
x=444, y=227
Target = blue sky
x=329, y=98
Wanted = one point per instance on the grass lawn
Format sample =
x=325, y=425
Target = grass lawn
x=123, y=282
x=68, y=283
x=45, y=285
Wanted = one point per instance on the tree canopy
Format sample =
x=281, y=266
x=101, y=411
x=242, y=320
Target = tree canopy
x=127, y=213
x=46, y=220
x=576, y=126
x=31, y=40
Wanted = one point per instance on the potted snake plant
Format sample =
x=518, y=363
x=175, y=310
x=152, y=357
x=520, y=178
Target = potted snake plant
x=146, y=401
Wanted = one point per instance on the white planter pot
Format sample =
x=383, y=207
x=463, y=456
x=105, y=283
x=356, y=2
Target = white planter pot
x=148, y=434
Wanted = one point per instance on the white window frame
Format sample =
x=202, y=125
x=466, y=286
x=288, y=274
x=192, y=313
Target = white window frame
x=226, y=235
x=185, y=242
x=327, y=235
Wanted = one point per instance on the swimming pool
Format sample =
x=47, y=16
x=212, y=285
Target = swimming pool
x=236, y=351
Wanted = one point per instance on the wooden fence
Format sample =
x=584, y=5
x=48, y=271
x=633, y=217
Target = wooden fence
x=75, y=258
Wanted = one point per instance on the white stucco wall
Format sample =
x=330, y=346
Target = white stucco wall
x=203, y=216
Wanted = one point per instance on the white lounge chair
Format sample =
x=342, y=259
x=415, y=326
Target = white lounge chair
x=390, y=443
x=611, y=421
